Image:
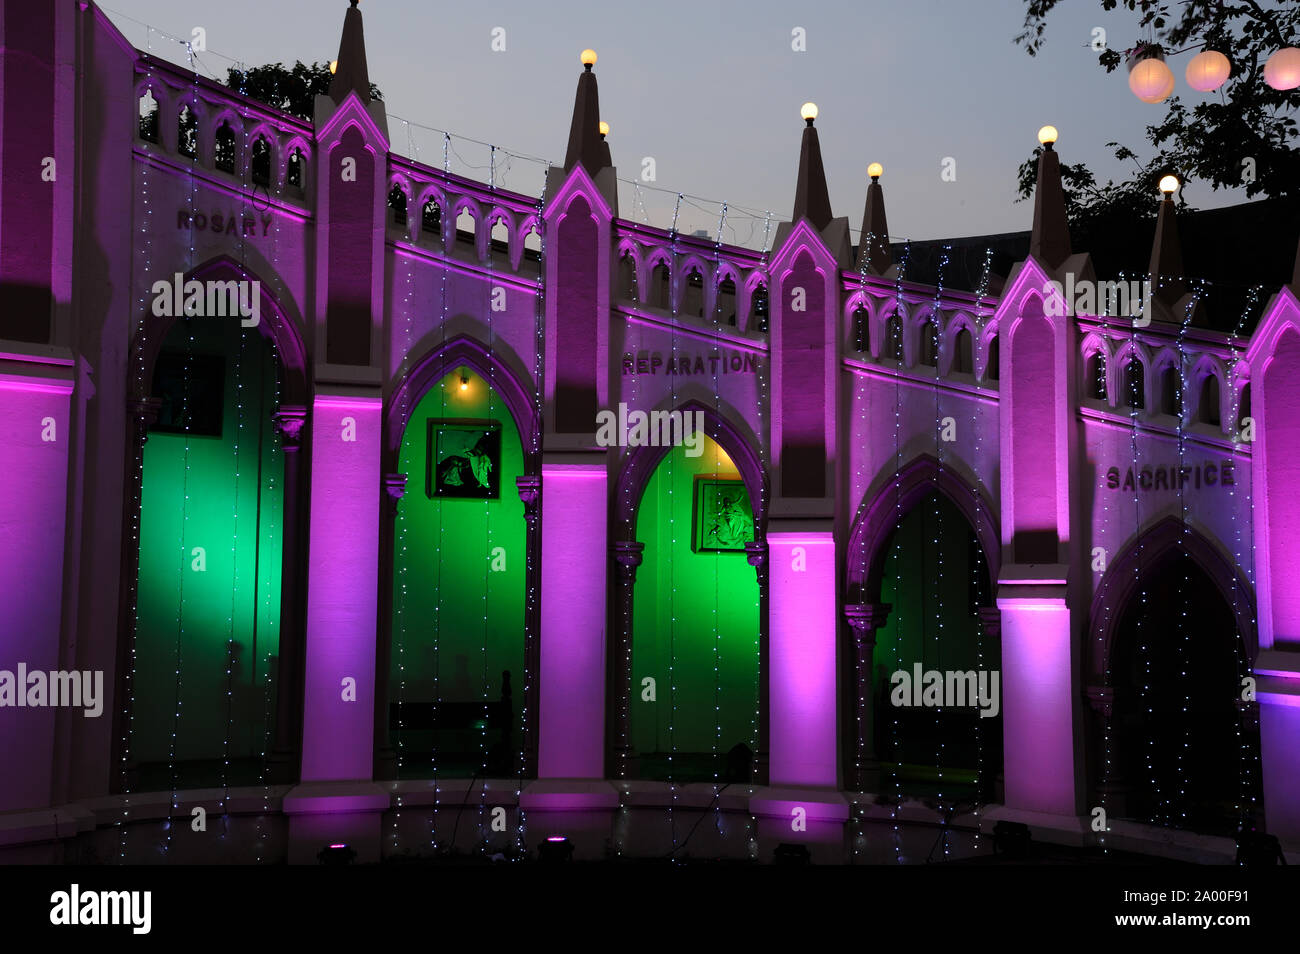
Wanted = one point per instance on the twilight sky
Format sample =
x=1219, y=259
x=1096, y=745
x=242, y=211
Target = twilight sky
x=711, y=89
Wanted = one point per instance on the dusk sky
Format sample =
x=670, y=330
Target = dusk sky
x=712, y=90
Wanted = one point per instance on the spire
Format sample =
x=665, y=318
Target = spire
x=874, y=254
x=811, y=198
x=1050, y=241
x=585, y=143
x=351, y=74
x=1167, y=255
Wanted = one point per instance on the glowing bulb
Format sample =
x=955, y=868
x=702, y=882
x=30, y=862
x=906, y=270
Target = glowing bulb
x=464, y=382
x=1169, y=185
x=334, y=66
x=808, y=111
x=1047, y=135
x=604, y=128
x=875, y=170
x=588, y=58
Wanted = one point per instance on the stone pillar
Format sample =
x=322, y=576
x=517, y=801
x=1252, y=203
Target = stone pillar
x=286, y=751
x=385, y=755
x=864, y=619
x=756, y=554
x=1109, y=788
x=991, y=622
x=572, y=713
x=342, y=587
x=627, y=557
x=530, y=495
x=35, y=434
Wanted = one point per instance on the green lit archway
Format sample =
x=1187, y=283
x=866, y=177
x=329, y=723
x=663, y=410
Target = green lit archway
x=694, y=694
x=208, y=601
x=456, y=675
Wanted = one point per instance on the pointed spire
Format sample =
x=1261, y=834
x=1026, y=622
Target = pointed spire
x=812, y=199
x=585, y=143
x=874, y=254
x=350, y=72
x=1050, y=241
x=1167, y=251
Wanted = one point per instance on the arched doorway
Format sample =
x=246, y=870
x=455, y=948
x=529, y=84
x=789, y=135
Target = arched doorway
x=208, y=609
x=691, y=683
x=1181, y=745
x=922, y=676
x=458, y=649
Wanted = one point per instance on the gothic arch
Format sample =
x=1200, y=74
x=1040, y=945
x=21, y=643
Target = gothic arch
x=878, y=517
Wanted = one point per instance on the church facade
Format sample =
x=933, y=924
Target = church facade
x=367, y=488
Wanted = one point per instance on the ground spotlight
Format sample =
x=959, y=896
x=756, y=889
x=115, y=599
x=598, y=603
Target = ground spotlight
x=787, y=854
x=555, y=849
x=337, y=854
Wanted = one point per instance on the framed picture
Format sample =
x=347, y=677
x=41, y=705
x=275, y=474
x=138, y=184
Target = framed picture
x=192, y=389
x=464, y=459
x=721, y=517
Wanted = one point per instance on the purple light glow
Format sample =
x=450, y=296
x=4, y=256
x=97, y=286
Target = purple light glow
x=803, y=629
x=342, y=596
x=572, y=695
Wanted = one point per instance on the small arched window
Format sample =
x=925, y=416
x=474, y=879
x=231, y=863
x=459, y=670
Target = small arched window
x=726, y=305
x=1135, y=384
x=1243, y=407
x=861, y=330
x=1094, y=376
x=500, y=238
x=894, y=340
x=148, y=117
x=223, y=152
x=187, y=133
x=930, y=344
x=466, y=226
x=627, y=276
x=659, y=286
x=397, y=202
x=994, y=370
x=1208, y=412
x=431, y=218
x=758, y=309
x=963, y=360
x=533, y=244
x=260, y=162
x=1171, y=392
x=293, y=177
x=693, y=294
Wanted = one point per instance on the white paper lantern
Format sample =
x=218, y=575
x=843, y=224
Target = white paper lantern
x=1282, y=71
x=1151, y=80
x=1207, y=71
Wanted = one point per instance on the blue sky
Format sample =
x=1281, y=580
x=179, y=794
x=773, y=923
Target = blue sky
x=711, y=90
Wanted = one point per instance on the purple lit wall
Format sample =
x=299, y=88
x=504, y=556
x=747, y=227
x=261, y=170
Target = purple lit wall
x=342, y=588
x=574, y=557
x=34, y=436
x=802, y=641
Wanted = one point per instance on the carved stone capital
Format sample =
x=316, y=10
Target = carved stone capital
x=991, y=620
x=289, y=421
x=628, y=554
x=1101, y=700
x=865, y=619
x=530, y=494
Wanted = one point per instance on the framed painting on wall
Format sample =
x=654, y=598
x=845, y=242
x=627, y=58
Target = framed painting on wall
x=721, y=517
x=464, y=459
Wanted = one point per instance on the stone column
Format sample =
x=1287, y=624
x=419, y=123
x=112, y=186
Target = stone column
x=284, y=760
x=530, y=495
x=385, y=755
x=1109, y=788
x=991, y=622
x=756, y=554
x=627, y=557
x=864, y=619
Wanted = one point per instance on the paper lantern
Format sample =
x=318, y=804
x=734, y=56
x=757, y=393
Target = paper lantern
x=1207, y=71
x=1282, y=71
x=1151, y=80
